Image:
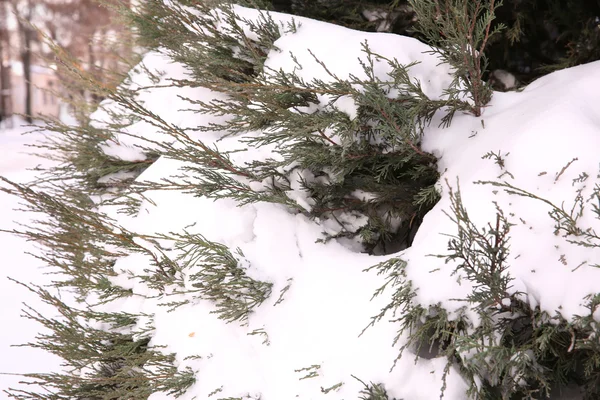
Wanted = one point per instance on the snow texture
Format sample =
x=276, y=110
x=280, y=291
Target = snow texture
x=16, y=164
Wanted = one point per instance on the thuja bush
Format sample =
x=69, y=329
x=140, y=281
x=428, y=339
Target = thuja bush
x=327, y=165
x=514, y=350
x=324, y=154
x=80, y=247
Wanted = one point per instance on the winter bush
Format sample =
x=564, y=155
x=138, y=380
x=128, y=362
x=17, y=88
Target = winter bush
x=337, y=148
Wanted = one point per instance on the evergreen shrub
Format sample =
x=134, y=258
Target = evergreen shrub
x=369, y=168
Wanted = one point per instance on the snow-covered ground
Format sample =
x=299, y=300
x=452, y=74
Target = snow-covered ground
x=15, y=164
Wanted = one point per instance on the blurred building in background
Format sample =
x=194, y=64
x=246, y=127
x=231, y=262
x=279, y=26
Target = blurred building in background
x=29, y=83
x=44, y=85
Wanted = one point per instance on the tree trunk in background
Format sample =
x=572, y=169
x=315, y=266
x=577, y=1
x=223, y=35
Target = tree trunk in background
x=92, y=64
x=26, y=59
x=26, y=33
x=3, y=112
x=5, y=71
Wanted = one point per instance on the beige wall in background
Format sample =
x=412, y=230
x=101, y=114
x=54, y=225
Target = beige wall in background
x=43, y=102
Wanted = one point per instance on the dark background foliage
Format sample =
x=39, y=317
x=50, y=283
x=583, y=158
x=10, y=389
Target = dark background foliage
x=541, y=35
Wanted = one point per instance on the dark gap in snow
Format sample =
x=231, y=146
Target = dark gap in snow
x=429, y=347
x=570, y=392
x=401, y=240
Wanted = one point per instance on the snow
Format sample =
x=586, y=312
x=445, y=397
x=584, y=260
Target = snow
x=326, y=292
x=154, y=93
x=14, y=165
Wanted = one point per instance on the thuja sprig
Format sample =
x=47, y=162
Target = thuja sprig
x=100, y=363
x=77, y=152
x=210, y=271
x=481, y=254
x=459, y=32
x=213, y=33
x=566, y=220
x=80, y=242
x=372, y=391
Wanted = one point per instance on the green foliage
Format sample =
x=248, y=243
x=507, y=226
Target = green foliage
x=76, y=147
x=81, y=246
x=210, y=270
x=210, y=41
x=459, y=31
x=80, y=242
x=545, y=35
x=100, y=364
x=72, y=235
x=77, y=151
x=482, y=254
